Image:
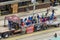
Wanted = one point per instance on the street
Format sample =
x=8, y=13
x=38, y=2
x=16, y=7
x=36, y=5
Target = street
x=40, y=35
x=46, y=36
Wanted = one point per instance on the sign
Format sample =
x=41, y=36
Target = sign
x=30, y=29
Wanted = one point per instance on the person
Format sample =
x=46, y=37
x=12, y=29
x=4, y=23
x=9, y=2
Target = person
x=47, y=12
x=52, y=15
x=53, y=11
x=55, y=35
x=38, y=18
x=53, y=2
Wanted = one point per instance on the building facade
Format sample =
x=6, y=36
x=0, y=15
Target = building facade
x=15, y=6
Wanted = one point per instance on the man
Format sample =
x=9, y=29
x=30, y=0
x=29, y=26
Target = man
x=55, y=35
x=52, y=15
x=47, y=12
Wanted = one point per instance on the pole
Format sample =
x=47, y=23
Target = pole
x=34, y=2
x=33, y=7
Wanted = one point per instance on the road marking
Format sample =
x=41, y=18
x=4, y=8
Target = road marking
x=35, y=33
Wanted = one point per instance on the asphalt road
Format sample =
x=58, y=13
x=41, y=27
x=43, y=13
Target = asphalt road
x=40, y=35
x=46, y=36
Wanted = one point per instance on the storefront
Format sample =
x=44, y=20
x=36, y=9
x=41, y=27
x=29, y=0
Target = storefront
x=27, y=5
x=15, y=7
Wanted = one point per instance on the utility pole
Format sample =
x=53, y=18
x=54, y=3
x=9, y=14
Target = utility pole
x=34, y=5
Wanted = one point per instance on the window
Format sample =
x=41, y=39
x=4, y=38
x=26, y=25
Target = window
x=24, y=3
x=39, y=0
x=6, y=9
x=4, y=0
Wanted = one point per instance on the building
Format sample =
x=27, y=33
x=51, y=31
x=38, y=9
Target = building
x=15, y=6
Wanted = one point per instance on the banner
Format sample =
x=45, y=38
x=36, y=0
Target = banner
x=30, y=29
